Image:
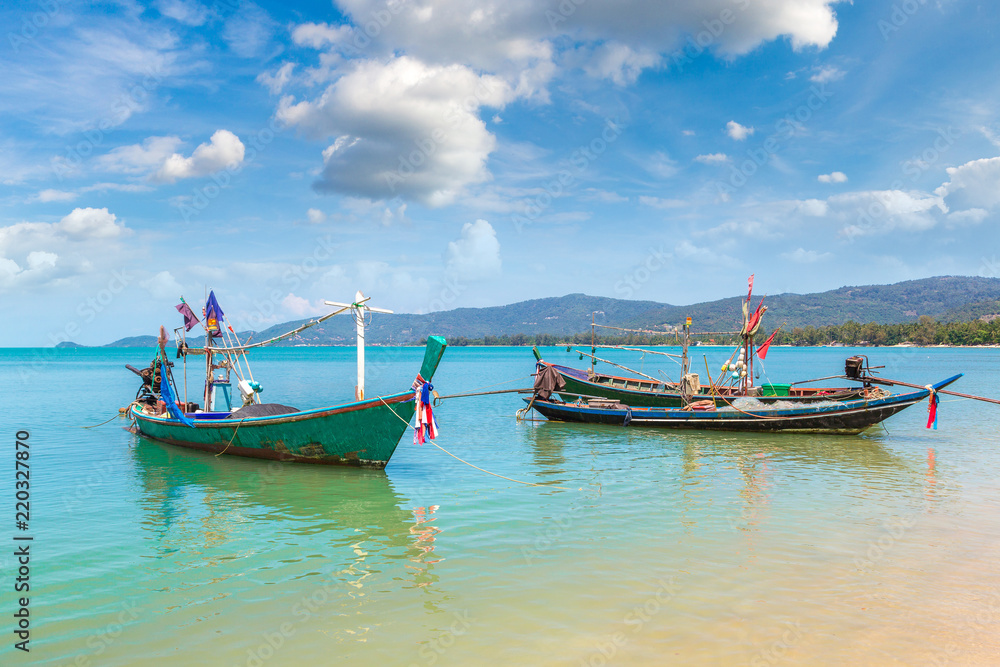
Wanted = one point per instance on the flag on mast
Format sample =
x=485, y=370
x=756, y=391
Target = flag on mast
x=190, y=319
x=749, y=288
x=762, y=349
x=213, y=315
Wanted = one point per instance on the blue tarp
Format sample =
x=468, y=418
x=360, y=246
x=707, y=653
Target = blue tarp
x=167, y=395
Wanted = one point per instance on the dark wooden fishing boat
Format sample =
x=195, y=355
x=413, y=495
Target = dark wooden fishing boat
x=640, y=392
x=364, y=432
x=847, y=416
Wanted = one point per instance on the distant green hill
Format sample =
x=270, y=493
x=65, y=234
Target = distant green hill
x=940, y=297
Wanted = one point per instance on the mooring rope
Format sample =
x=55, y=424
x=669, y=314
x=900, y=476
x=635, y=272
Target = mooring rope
x=471, y=465
x=235, y=431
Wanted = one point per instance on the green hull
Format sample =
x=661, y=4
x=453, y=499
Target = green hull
x=363, y=433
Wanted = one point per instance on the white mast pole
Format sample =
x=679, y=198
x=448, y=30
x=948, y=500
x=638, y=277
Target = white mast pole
x=359, y=318
x=358, y=309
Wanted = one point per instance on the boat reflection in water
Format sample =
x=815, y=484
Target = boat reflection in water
x=347, y=529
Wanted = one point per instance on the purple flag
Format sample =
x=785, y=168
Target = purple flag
x=189, y=317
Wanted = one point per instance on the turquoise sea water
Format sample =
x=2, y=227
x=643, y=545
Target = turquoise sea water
x=658, y=547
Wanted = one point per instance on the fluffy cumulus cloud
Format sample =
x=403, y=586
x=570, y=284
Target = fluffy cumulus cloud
x=139, y=158
x=737, y=131
x=835, y=177
x=876, y=212
x=401, y=102
x=315, y=216
x=222, y=151
x=35, y=253
x=619, y=62
x=974, y=184
x=494, y=34
x=476, y=255
x=401, y=129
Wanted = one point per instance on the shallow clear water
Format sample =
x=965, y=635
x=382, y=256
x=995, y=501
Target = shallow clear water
x=646, y=547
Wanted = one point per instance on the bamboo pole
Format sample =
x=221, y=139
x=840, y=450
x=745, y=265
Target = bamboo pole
x=940, y=391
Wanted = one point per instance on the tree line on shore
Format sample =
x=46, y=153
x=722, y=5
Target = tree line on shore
x=925, y=331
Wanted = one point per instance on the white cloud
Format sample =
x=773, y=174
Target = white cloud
x=876, y=212
x=660, y=164
x=685, y=251
x=39, y=259
x=54, y=195
x=519, y=35
x=835, y=177
x=476, y=255
x=248, y=31
x=276, y=82
x=316, y=216
x=657, y=202
x=827, y=74
x=975, y=184
x=972, y=216
x=803, y=256
x=713, y=158
x=603, y=196
x=737, y=131
x=91, y=223
x=162, y=286
x=138, y=158
x=302, y=308
x=619, y=63
x=223, y=150
x=401, y=128
x=89, y=73
x=187, y=12
x=319, y=35
x=34, y=253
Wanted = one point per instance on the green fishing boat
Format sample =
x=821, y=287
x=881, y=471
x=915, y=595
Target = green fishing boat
x=364, y=432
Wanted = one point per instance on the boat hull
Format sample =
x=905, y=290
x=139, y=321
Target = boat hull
x=850, y=417
x=645, y=393
x=362, y=434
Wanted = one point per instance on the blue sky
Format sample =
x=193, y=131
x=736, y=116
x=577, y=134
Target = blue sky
x=446, y=153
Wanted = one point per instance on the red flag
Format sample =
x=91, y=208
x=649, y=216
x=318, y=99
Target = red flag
x=762, y=349
x=749, y=288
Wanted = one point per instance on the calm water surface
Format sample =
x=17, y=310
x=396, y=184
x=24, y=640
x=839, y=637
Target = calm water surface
x=657, y=547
